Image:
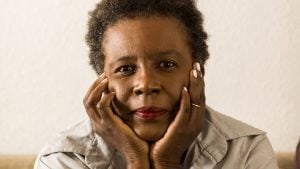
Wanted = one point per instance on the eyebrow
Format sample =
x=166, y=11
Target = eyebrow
x=167, y=53
x=158, y=54
x=127, y=57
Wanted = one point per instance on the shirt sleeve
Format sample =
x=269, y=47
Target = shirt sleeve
x=60, y=160
x=262, y=155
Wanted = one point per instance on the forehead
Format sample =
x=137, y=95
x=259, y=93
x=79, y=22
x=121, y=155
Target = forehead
x=145, y=36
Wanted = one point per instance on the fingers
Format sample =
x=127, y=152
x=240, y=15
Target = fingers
x=183, y=114
x=95, y=84
x=93, y=96
x=93, y=115
x=196, y=87
x=197, y=95
x=104, y=106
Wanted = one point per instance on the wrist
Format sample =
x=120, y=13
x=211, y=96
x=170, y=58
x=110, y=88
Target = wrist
x=158, y=163
x=167, y=162
x=138, y=163
x=165, y=165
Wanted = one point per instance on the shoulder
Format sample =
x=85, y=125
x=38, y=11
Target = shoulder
x=229, y=127
x=75, y=138
x=75, y=147
x=221, y=132
x=225, y=141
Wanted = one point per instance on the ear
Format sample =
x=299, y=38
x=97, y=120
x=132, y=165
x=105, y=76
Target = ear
x=202, y=69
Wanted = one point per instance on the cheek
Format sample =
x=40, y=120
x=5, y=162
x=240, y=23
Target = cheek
x=120, y=88
x=175, y=88
x=180, y=81
x=122, y=96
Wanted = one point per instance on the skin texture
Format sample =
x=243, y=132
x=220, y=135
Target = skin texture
x=148, y=64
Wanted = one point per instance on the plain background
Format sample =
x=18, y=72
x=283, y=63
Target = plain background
x=252, y=74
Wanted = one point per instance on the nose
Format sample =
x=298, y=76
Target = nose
x=147, y=84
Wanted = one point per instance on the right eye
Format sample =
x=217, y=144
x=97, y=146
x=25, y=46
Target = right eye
x=126, y=70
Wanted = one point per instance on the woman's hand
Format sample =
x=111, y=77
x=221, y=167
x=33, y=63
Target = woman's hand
x=98, y=105
x=188, y=123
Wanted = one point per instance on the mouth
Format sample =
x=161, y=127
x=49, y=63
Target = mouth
x=149, y=113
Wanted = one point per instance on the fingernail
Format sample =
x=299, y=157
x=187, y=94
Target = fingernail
x=101, y=74
x=113, y=93
x=195, y=73
x=105, y=80
x=185, y=89
x=198, y=66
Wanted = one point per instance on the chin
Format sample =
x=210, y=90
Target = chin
x=151, y=134
x=150, y=138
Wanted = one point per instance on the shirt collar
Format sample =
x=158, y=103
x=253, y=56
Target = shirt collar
x=212, y=142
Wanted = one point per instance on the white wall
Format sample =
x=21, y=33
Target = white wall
x=253, y=72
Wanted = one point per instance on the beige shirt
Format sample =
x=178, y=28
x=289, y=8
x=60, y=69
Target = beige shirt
x=224, y=143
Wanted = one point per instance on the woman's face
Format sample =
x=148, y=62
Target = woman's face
x=147, y=63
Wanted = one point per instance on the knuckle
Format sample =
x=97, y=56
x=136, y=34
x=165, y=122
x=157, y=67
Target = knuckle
x=87, y=105
x=84, y=99
x=99, y=106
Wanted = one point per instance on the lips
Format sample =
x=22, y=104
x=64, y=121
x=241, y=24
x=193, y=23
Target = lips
x=149, y=113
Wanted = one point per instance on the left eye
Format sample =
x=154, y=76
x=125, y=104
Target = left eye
x=167, y=64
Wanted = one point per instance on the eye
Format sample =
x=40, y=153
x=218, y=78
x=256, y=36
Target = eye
x=167, y=64
x=126, y=69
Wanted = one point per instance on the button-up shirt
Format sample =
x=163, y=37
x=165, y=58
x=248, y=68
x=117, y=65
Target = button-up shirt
x=224, y=143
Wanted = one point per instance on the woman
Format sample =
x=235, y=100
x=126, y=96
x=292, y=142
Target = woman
x=147, y=107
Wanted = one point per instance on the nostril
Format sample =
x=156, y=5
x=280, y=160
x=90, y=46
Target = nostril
x=155, y=91
x=147, y=91
x=138, y=92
